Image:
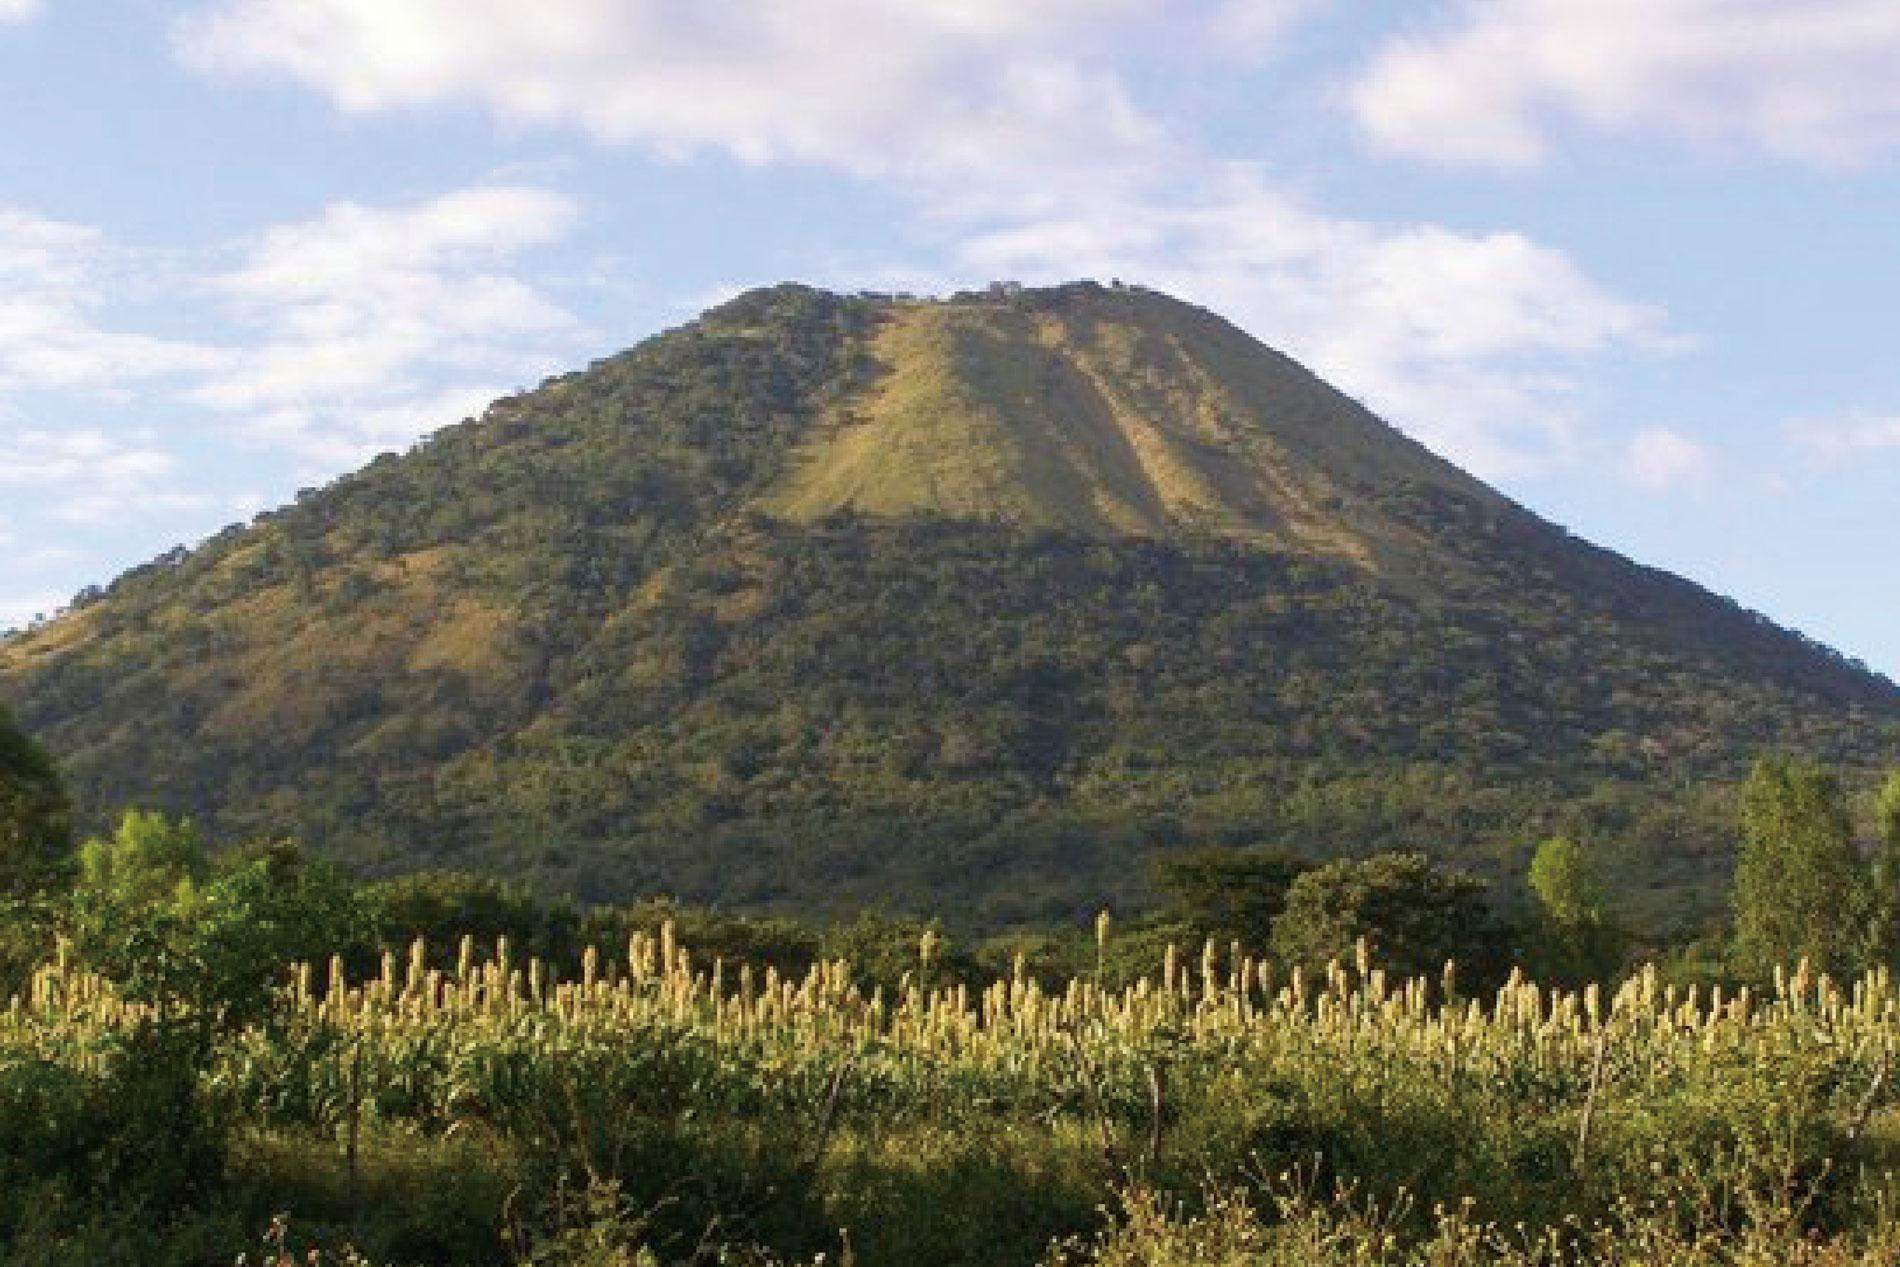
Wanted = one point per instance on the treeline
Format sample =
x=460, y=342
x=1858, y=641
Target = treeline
x=153, y=896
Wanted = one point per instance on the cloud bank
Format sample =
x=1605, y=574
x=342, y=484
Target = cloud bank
x=1659, y=459
x=383, y=323
x=1810, y=81
x=1834, y=440
x=56, y=283
x=925, y=86
x=373, y=325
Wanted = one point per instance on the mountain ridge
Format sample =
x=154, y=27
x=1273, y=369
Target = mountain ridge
x=968, y=602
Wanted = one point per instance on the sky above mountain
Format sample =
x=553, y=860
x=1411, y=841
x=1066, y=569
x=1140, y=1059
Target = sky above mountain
x=1633, y=262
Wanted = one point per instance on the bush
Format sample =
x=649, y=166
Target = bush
x=1413, y=917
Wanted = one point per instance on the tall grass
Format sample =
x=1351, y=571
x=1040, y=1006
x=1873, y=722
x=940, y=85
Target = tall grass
x=946, y=1124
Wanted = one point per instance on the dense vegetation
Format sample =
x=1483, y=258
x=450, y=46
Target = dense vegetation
x=664, y=1106
x=35, y=818
x=576, y=641
x=443, y=1069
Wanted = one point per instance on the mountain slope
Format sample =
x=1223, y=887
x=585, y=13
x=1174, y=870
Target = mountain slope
x=963, y=605
x=1121, y=416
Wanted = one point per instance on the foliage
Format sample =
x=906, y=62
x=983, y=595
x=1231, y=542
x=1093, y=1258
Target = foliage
x=1799, y=890
x=35, y=818
x=212, y=956
x=1887, y=812
x=635, y=632
x=441, y=907
x=149, y=859
x=740, y=940
x=1303, y=1230
x=1227, y=894
x=1413, y=916
x=25, y=939
x=1883, y=877
x=891, y=953
x=1575, y=938
x=99, y=1122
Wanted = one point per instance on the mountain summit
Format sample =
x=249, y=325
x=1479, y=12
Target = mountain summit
x=1108, y=413
x=962, y=604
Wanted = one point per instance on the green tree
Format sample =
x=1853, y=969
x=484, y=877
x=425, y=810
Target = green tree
x=884, y=951
x=211, y=952
x=1228, y=894
x=442, y=907
x=1883, y=876
x=1574, y=937
x=1799, y=890
x=1887, y=812
x=149, y=858
x=35, y=817
x=1412, y=915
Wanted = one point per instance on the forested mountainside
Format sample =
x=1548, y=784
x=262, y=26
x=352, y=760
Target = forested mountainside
x=961, y=606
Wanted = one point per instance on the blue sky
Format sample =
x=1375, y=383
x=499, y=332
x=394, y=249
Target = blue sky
x=1634, y=261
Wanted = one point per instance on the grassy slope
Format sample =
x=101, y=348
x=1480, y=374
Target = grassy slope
x=1130, y=415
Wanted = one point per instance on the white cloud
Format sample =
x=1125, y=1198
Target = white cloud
x=89, y=475
x=39, y=458
x=1246, y=27
x=42, y=558
x=1467, y=341
x=341, y=434
x=1841, y=439
x=1660, y=459
x=363, y=314
x=938, y=86
x=1813, y=81
x=364, y=309
x=373, y=326
x=98, y=506
x=19, y=10
x=53, y=283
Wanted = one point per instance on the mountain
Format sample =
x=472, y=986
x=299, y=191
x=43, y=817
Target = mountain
x=963, y=605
